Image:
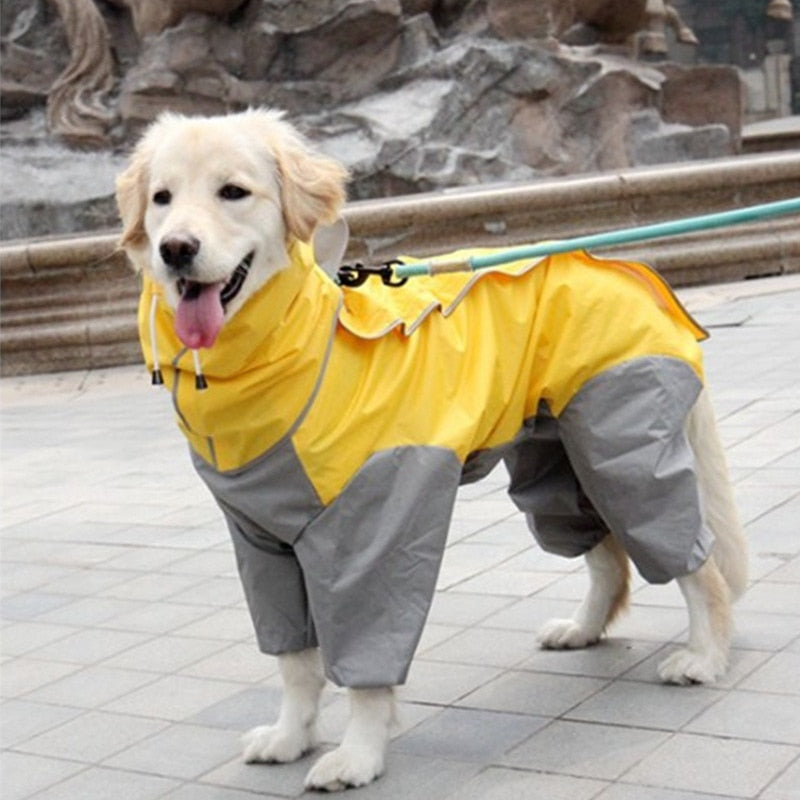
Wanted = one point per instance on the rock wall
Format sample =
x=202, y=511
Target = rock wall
x=411, y=95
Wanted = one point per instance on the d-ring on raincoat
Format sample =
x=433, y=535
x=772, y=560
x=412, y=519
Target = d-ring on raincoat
x=338, y=423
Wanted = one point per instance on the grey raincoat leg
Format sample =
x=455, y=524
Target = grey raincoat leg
x=545, y=488
x=275, y=591
x=371, y=560
x=625, y=436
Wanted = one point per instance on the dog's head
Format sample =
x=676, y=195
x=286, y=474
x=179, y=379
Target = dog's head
x=209, y=207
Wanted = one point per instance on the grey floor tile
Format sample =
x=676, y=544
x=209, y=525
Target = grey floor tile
x=728, y=767
x=786, y=786
x=212, y=591
x=789, y=570
x=509, y=582
x=781, y=673
x=651, y=623
x=490, y=647
x=91, y=737
x=89, y=646
x=585, y=749
x=282, y=780
x=646, y=705
x=772, y=597
x=98, y=783
x=608, y=658
x=32, y=605
x=209, y=563
x=433, y=635
x=457, y=608
x=23, y=775
x=468, y=735
x=752, y=715
x=241, y=711
x=195, y=791
x=152, y=587
x=533, y=693
x=179, y=751
x=174, y=697
x=627, y=791
x=90, y=687
x=157, y=618
x=236, y=662
x=83, y=583
x=165, y=654
x=570, y=586
x=89, y=611
x=19, y=578
x=230, y=625
x=756, y=630
x=23, y=675
x=26, y=637
x=497, y=783
x=530, y=613
x=21, y=720
x=440, y=682
x=147, y=559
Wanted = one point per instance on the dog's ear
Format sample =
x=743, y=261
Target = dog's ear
x=131, y=193
x=312, y=186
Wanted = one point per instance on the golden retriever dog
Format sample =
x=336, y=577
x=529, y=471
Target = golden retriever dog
x=334, y=423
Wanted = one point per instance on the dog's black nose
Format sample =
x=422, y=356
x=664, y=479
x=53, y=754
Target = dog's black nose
x=178, y=251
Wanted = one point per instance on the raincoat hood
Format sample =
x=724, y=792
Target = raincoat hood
x=262, y=369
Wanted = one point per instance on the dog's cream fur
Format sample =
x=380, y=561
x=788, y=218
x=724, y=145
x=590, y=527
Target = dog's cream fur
x=285, y=191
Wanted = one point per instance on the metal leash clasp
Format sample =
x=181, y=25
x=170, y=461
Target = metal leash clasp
x=357, y=274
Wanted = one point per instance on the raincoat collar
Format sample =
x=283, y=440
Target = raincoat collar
x=262, y=370
x=257, y=334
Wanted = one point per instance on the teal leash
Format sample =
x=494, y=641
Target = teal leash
x=396, y=273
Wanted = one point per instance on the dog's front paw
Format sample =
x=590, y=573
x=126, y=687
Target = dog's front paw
x=687, y=666
x=275, y=744
x=561, y=634
x=345, y=767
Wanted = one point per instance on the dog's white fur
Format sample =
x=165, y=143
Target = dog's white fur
x=289, y=190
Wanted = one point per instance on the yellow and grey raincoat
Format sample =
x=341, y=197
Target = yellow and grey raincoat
x=338, y=423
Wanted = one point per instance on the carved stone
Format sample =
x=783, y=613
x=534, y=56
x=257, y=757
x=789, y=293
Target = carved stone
x=412, y=95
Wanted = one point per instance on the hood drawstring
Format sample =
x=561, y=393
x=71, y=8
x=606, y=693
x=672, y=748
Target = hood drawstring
x=158, y=378
x=200, y=381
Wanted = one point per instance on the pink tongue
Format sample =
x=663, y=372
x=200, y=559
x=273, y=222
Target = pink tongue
x=198, y=321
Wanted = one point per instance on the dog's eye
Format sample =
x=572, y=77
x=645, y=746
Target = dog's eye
x=230, y=191
x=162, y=198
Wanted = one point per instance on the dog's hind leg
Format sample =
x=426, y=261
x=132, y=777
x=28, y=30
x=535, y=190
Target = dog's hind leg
x=609, y=577
x=293, y=734
x=709, y=601
x=360, y=758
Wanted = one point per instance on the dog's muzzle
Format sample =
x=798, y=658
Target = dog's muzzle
x=190, y=290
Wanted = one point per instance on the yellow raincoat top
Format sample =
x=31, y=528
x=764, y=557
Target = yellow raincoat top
x=457, y=361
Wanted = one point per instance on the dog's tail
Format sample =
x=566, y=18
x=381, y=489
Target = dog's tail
x=730, y=546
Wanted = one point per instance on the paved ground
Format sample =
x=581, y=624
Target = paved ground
x=129, y=667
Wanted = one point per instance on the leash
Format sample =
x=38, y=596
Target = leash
x=396, y=273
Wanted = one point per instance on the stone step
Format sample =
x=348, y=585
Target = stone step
x=70, y=303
